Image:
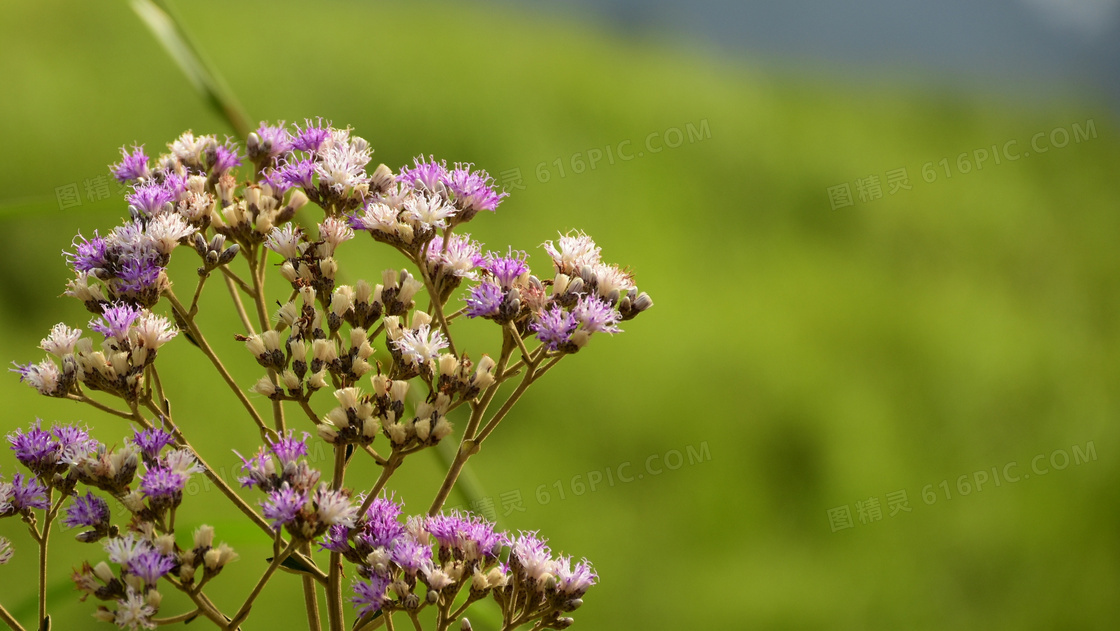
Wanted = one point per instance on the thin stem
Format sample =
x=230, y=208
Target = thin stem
x=209, y=352
x=310, y=596
x=243, y=613
x=415, y=621
x=101, y=406
x=229, y=276
x=437, y=304
x=183, y=617
x=334, y=575
x=394, y=461
x=43, y=537
x=197, y=293
x=11, y=621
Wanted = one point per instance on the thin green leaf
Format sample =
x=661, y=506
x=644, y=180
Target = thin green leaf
x=168, y=29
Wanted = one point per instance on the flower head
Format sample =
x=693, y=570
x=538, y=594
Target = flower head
x=271, y=141
x=44, y=377
x=28, y=493
x=134, y=612
x=61, y=340
x=312, y=136
x=485, y=300
x=5, y=551
x=133, y=166
x=288, y=449
x=152, y=441
x=596, y=315
x=573, y=252
x=89, y=511
x=473, y=191
x=574, y=581
x=421, y=344
x=88, y=254
x=160, y=482
x=115, y=320
x=507, y=270
x=283, y=505
x=426, y=175
x=369, y=594
x=150, y=565
x=152, y=198
x=35, y=448
x=461, y=257
x=554, y=327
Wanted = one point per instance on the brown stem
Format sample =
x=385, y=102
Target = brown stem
x=209, y=352
x=237, y=300
x=310, y=596
x=10, y=620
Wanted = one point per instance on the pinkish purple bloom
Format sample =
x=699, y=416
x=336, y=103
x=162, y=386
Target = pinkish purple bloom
x=506, y=269
x=485, y=300
x=87, y=511
x=596, y=315
x=296, y=173
x=412, y=556
x=225, y=158
x=115, y=320
x=28, y=493
x=161, y=483
x=471, y=536
x=554, y=327
x=270, y=142
x=312, y=136
x=152, y=198
x=88, y=254
x=426, y=176
x=132, y=166
x=288, y=449
x=283, y=505
x=150, y=565
x=473, y=190
x=152, y=441
x=571, y=581
x=35, y=448
x=138, y=275
x=369, y=595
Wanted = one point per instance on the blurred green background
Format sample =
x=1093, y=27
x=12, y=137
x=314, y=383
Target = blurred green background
x=799, y=359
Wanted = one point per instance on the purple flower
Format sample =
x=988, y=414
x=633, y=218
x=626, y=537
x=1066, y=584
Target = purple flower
x=506, y=269
x=312, y=136
x=89, y=511
x=554, y=327
x=132, y=166
x=149, y=198
x=115, y=320
x=139, y=274
x=425, y=176
x=225, y=158
x=73, y=442
x=532, y=555
x=35, y=448
x=28, y=493
x=574, y=581
x=89, y=254
x=418, y=346
x=337, y=539
x=259, y=468
x=596, y=315
x=152, y=441
x=150, y=565
x=273, y=141
x=288, y=448
x=283, y=505
x=472, y=536
x=370, y=595
x=380, y=527
x=160, y=482
x=410, y=555
x=473, y=190
x=296, y=173
x=485, y=300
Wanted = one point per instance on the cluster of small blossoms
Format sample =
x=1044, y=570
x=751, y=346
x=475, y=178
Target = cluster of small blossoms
x=137, y=561
x=295, y=499
x=65, y=456
x=131, y=338
x=451, y=552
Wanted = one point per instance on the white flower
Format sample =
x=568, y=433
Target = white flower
x=134, y=612
x=421, y=344
x=333, y=232
x=43, y=376
x=153, y=331
x=334, y=507
x=380, y=217
x=166, y=231
x=285, y=241
x=189, y=149
x=5, y=551
x=428, y=211
x=61, y=340
x=574, y=252
x=183, y=462
x=610, y=278
x=121, y=550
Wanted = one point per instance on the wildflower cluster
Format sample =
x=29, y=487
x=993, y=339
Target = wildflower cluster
x=376, y=351
x=429, y=560
x=66, y=456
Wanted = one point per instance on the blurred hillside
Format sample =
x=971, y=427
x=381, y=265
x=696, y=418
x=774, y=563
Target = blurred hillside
x=807, y=357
